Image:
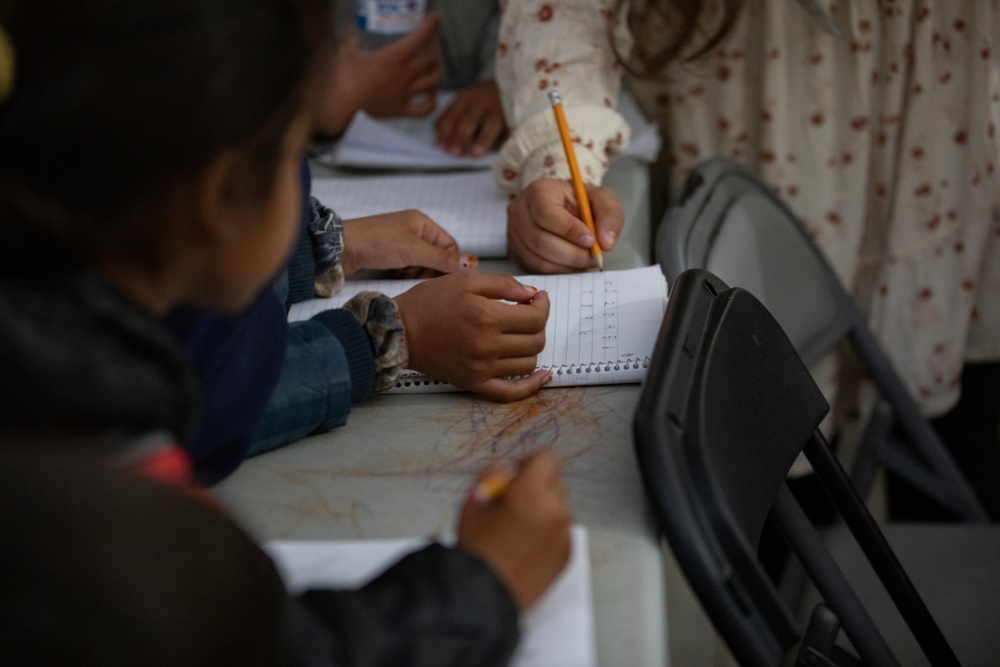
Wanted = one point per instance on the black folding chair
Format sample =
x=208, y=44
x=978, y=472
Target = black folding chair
x=727, y=221
x=725, y=409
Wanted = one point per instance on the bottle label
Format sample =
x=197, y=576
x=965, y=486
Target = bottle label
x=389, y=17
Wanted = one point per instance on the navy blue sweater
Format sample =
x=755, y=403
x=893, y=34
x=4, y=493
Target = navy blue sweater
x=264, y=383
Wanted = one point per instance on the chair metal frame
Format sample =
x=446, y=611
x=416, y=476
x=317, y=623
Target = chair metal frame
x=725, y=409
x=727, y=221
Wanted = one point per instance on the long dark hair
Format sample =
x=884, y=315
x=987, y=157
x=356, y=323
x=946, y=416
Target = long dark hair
x=666, y=31
x=115, y=102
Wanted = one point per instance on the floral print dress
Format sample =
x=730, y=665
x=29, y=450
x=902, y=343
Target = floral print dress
x=881, y=134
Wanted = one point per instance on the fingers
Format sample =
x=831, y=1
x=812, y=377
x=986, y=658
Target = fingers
x=457, y=130
x=505, y=390
x=492, y=130
x=609, y=216
x=443, y=260
x=500, y=286
x=555, y=211
x=426, y=84
x=422, y=36
x=541, y=468
x=540, y=252
x=473, y=124
x=434, y=248
x=545, y=232
x=528, y=318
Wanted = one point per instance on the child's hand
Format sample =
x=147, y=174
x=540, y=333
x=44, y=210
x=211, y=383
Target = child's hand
x=473, y=123
x=406, y=240
x=400, y=79
x=545, y=233
x=524, y=535
x=460, y=332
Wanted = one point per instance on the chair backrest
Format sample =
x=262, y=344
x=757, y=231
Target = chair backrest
x=712, y=500
x=727, y=221
x=726, y=407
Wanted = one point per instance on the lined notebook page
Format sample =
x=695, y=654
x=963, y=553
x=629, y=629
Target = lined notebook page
x=557, y=632
x=601, y=329
x=467, y=205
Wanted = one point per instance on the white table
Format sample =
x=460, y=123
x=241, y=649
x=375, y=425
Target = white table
x=403, y=463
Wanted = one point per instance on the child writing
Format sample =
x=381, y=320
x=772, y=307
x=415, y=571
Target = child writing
x=260, y=392
x=185, y=123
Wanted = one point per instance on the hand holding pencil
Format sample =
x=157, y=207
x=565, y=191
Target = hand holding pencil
x=558, y=226
x=519, y=524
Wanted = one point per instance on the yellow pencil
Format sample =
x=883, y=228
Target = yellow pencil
x=574, y=172
x=492, y=487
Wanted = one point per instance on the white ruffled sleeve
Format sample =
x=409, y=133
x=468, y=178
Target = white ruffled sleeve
x=563, y=45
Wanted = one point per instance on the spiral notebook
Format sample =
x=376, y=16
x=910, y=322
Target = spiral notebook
x=601, y=329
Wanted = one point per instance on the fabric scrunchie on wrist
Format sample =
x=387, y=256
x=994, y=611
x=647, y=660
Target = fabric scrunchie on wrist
x=380, y=317
x=326, y=229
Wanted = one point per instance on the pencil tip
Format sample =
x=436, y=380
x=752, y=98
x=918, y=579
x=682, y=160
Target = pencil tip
x=600, y=261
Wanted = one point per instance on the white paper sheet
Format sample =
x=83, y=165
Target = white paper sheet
x=467, y=205
x=556, y=632
x=408, y=143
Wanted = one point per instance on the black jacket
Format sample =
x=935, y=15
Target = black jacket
x=82, y=362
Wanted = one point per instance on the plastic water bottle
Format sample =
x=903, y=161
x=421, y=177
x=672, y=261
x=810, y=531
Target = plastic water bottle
x=382, y=22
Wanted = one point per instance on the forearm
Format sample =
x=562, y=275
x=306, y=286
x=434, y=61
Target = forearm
x=569, y=45
x=323, y=374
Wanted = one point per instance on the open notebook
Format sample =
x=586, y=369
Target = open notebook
x=601, y=329
x=408, y=143
x=467, y=205
x=556, y=632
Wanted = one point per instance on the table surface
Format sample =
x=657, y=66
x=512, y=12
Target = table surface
x=402, y=464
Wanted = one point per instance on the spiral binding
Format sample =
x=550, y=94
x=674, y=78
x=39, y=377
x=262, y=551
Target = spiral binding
x=411, y=379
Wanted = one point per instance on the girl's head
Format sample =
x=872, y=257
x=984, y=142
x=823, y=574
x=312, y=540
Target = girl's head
x=160, y=141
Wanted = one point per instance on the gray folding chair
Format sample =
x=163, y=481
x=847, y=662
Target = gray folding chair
x=727, y=221
x=725, y=409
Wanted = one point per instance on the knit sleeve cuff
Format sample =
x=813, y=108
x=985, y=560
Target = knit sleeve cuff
x=357, y=347
x=535, y=151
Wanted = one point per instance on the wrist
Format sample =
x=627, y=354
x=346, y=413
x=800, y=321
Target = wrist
x=326, y=231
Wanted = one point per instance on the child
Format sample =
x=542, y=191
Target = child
x=260, y=393
x=185, y=123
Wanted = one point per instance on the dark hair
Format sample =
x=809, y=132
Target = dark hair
x=115, y=102
x=102, y=567
x=666, y=31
